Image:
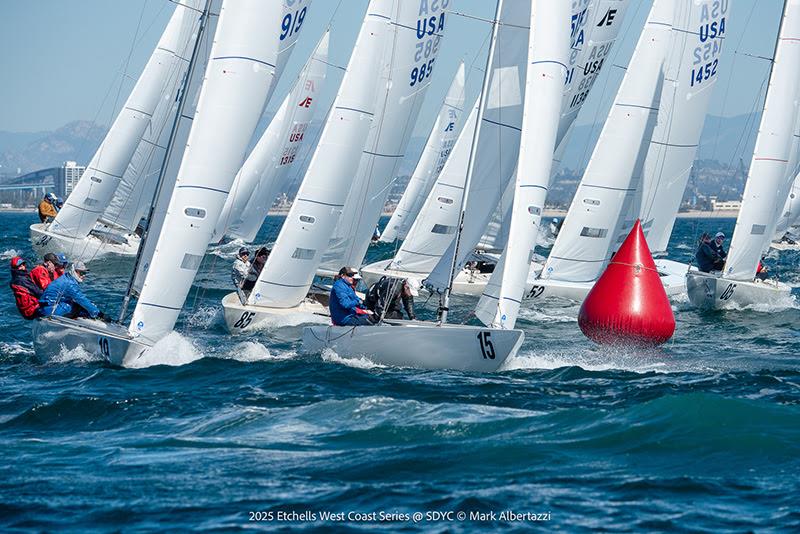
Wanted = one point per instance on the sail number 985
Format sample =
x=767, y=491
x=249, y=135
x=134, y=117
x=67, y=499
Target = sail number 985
x=419, y=73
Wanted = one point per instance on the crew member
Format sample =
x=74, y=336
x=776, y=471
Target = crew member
x=719, y=239
x=762, y=273
x=26, y=293
x=64, y=296
x=255, y=269
x=385, y=295
x=47, y=208
x=345, y=306
x=707, y=258
x=241, y=266
x=51, y=268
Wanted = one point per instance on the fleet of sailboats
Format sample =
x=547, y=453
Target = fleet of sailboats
x=176, y=158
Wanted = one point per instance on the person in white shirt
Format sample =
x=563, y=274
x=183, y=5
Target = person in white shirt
x=241, y=266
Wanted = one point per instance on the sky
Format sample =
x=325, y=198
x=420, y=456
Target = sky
x=65, y=60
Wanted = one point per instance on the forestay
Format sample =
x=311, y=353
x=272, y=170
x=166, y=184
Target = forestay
x=612, y=178
x=266, y=171
x=769, y=177
x=548, y=54
x=289, y=271
x=434, y=155
x=595, y=26
x=695, y=59
x=417, y=31
x=237, y=80
x=102, y=176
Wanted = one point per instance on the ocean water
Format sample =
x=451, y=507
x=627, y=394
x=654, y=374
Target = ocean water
x=216, y=433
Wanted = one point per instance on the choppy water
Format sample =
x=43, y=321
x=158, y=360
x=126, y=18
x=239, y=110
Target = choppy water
x=702, y=434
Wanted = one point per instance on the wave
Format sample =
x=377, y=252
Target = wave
x=174, y=349
x=252, y=351
x=362, y=362
x=9, y=253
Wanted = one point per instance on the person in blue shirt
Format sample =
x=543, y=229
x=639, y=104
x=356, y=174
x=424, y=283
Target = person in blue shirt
x=707, y=257
x=345, y=306
x=64, y=297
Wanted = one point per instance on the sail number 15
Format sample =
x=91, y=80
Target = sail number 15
x=487, y=348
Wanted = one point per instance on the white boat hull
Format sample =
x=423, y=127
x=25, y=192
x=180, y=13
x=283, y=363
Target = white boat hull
x=709, y=291
x=91, y=247
x=418, y=344
x=243, y=318
x=785, y=246
x=111, y=342
x=672, y=276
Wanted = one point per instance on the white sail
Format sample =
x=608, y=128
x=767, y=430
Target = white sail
x=131, y=200
x=266, y=171
x=97, y=185
x=418, y=29
x=495, y=237
x=769, y=176
x=290, y=269
x=435, y=225
x=237, y=80
x=595, y=28
x=691, y=74
x=437, y=148
x=611, y=180
x=548, y=54
x=790, y=214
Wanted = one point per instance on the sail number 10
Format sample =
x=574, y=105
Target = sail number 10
x=487, y=348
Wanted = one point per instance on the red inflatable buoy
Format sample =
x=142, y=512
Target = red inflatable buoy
x=628, y=303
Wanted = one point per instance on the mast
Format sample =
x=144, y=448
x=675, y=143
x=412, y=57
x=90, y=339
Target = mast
x=444, y=307
x=170, y=146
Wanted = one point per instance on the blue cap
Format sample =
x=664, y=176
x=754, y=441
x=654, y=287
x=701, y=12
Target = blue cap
x=62, y=258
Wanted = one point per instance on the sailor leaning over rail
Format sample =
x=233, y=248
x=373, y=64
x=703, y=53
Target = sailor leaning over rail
x=345, y=306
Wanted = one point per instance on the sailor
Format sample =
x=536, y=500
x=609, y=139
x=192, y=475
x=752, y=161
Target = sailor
x=555, y=226
x=345, y=306
x=762, y=273
x=707, y=258
x=64, y=297
x=376, y=235
x=719, y=238
x=241, y=266
x=47, y=208
x=51, y=268
x=385, y=296
x=26, y=293
x=255, y=269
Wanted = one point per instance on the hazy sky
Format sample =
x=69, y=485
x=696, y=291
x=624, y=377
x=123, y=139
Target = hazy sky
x=63, y=60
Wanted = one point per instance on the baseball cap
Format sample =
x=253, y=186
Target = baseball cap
x=80, y=267
x=17, y=261
x=62, y=259
x=51, y=258
x=349, y=271
x=243, y=251
x=719, y=234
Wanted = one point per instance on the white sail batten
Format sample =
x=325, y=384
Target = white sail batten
x=611, y=180
x=289, y=271
x=437, y=148
x=94, y=191
x=266, y=170
x=693, y=62
x=418, y=29
x=237, y=80
x=769, y=176
x=548, y=54
x=595, y=26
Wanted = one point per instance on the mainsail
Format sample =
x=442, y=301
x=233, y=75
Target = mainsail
x=769, y=177
x=437, y=148
x=238, y=77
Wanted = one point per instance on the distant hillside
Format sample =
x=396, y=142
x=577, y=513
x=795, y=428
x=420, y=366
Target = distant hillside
x=76, y=141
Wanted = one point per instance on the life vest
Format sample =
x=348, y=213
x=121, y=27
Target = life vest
x=27, y=304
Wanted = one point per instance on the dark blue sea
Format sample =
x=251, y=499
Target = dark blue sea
x=223, y=434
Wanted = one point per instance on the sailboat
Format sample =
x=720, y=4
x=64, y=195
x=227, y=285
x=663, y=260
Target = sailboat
x=92, y=223
x=768, y=183
x=426, y=253
x=360, y=145
x=232, y=93
x=787, y=236
x=643, y=156
x=464, y=347
x=437, y=148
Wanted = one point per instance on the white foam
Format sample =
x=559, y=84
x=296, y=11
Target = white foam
x=362, y=362
x=10, y=253
x=16, y=348
x=78, y=354
x=252, y=351
x=204, y=317
x=550, y=315
x=603, y=359
x=173, y=349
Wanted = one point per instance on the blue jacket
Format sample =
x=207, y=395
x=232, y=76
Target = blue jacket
x=62, y=295
x=707, y=258
x=343, y=301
